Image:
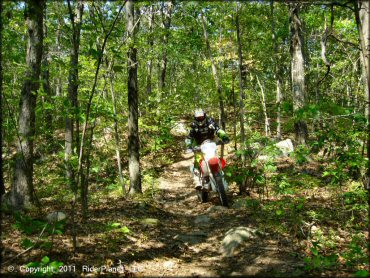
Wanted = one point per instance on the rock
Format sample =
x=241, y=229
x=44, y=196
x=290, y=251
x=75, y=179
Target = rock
x=56, y=216
x=256, y=146
x=263, y=158
x=236, y=273
x=202, y=220
x=215, y=209
x=314, y=229
x=150, y=221
x=180, y=129
x=234, y=238
x=285, y=146
x=239, y=203
x=192, y=238
x=169, y=264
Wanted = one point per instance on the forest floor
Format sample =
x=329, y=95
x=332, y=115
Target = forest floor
x=168, y=232
x=189, y=236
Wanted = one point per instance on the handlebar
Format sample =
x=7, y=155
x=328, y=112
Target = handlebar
x=218, y=142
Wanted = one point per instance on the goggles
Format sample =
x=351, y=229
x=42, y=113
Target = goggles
x=200, y=118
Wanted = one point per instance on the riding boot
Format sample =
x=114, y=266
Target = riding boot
x=207, y=183
x=197, y=180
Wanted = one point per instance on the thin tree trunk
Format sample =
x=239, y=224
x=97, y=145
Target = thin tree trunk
x=150, y=61
x=166, y=22
x=264, y=108
x=116, y=134
x=2, y=187
x=215, y=73
x=234, y=105
x=70, y=134
x=58, y=82
x=87, y=163
x=22, y=191
x=277, y=75
x=362, y=14
x=241, y=86
x=362, y=21
x=84, y=159
x=47, y=89
x=133, y=126
x=297, y=68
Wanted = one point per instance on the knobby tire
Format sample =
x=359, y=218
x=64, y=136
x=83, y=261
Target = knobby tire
x=221, y=192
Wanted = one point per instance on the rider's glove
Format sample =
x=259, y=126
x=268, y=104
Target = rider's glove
x=225, y=140
x=188, y=151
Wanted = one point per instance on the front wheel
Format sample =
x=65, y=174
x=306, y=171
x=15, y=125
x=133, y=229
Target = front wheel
x=221, y=192
x=202, y=195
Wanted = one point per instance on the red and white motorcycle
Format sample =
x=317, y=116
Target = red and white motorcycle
x=211, y=172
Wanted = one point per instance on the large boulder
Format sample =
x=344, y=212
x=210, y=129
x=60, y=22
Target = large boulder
x=202, y=220
x=180, y=129
x=192, y=238
x=150, y=222
x=285, y=146
x=234, y=238
x=56, y=216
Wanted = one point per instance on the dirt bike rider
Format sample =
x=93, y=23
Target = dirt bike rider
x=202, y=128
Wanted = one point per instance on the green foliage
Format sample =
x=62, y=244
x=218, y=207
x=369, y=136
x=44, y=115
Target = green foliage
x=27, y=225
x=362, y=273
x=356, y=254
x=319, y=261
x=343, y=146
x=45, y=268
x=30, y=226
x=117, y=227
x=259, y=154
x=283, y=184
x=356, y=198
x=27, y=243
x=301, y=155
x=156, y=135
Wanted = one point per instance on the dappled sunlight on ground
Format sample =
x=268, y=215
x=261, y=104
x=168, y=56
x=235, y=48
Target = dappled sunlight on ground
x=168, y=232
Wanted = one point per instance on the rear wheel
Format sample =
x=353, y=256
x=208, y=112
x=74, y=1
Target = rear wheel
x=221, y=192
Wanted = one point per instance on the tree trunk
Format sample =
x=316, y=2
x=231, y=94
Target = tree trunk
x=362, y=21
x=264, y=108
x=47, y=89
x=2, y=187
x=84, y=159
x=241, y=86
x=70, y=134
x=215, y=74
x=22, y=191
x=116, y=134
x=58, y=81
x=166, y=23
x=277, y=75
x=297, y=68
x=150, y=60
x=362, y=14
x=234, y=105
x=133, y=123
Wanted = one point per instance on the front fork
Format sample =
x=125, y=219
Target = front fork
x=209, y=181
x=214, y=177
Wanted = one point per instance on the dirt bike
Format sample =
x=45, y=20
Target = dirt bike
x=215, y=181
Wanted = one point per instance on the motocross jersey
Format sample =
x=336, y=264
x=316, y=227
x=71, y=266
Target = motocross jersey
x=207, y=131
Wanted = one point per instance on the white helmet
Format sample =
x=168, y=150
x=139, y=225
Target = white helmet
x=200, y=116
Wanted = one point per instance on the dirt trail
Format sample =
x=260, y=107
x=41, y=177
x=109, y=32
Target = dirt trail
x=172, y=235
x=189, y=234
